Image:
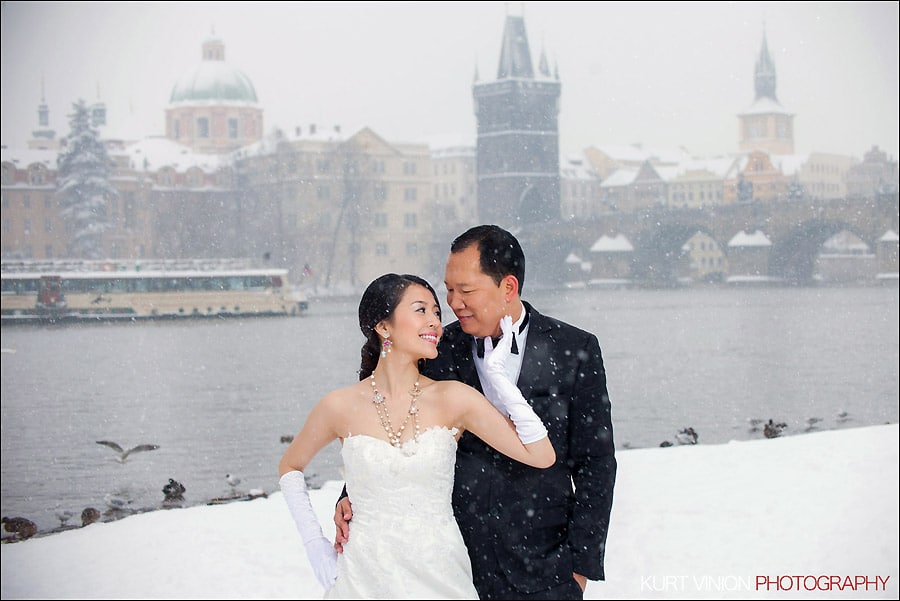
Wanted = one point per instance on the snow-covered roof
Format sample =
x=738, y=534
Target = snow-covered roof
x=765, y=106
x=635, y=153
x=22, y=158
x=619, y=177
x=667, y=172
x=617, y=243
x=573, y=258
x=577, y=166
x=845, y=241
x=154, y=153
x=451, y=142
x=317, y=132
x=743, y=238
x=889, y=236
x=789, y=164
x=717, y=167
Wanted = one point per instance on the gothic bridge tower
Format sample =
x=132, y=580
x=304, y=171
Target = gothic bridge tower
x=517, y=150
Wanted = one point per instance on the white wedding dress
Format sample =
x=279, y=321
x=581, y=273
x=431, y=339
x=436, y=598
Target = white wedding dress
x=404, y=541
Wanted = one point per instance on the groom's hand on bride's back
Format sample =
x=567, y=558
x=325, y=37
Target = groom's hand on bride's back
x=343, y=513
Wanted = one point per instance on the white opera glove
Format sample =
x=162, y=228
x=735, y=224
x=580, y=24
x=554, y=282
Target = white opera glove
x=322, y=555
x=505, y=395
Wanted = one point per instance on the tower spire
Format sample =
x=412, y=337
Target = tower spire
x=764, y=73
x=43, y=136
x=515, y=56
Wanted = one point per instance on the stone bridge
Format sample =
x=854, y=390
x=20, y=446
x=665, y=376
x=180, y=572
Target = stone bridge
x=797, y=230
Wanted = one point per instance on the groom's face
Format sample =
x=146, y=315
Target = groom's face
x=477, y=301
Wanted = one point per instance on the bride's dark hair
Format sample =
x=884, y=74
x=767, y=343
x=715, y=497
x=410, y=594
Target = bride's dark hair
x=377, y=304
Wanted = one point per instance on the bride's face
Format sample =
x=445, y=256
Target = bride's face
x=416, y=326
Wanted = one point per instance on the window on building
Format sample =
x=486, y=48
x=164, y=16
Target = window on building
x=412, y=249
x=380, y=220
x=232, y=128
x=9, y=174
x=409, y=194
x=202, y=127
x=36, y=176
x=48, y=225
x=410, y=220
x=381, y=249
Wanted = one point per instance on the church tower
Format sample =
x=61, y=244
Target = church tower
x=766, y=125
x=517, y=149
x=43, y=138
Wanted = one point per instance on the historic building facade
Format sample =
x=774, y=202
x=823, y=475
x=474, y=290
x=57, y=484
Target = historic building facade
x=337, y=210
x=517, y=152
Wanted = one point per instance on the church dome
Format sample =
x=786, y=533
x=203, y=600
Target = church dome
x=213, y=80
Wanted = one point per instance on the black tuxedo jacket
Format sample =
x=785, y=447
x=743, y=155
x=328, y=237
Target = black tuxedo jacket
x=538, y=526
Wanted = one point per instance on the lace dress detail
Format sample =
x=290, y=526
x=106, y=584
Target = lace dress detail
x=404, y=541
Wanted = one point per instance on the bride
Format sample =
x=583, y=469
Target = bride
x=398, y=431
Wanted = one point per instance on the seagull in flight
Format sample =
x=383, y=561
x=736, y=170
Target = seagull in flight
x=123, y=454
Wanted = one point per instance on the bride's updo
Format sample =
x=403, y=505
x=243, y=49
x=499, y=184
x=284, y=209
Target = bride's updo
x=377, y=304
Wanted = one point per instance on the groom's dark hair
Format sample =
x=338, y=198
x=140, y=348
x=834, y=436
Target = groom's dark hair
x=499, y=251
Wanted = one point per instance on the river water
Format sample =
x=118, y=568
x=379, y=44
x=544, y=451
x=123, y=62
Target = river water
x=218, y=396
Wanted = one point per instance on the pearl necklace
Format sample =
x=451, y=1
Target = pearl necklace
x=385, y=417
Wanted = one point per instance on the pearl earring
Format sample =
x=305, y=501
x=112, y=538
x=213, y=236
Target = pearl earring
x=385, y=347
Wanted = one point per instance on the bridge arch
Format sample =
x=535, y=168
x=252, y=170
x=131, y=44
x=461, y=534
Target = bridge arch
x=793, y=257
x=658, y=250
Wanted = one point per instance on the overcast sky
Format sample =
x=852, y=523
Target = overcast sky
x=662, y=74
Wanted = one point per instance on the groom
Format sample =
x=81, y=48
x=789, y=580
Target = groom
x=531, y=534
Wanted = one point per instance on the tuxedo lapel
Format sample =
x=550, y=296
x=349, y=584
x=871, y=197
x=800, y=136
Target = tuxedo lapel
x=534, y=359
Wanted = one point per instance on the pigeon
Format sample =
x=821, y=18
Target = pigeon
x=20, y=528
x=123, y=454
x=173, y=491
x=89, y=516
x=687, y=436
x=773, y=430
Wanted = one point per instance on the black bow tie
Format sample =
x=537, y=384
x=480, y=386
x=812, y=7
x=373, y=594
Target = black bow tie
x=479, y=345
x=479, y=342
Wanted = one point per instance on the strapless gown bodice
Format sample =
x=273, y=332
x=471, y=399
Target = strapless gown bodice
x=404, y=541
